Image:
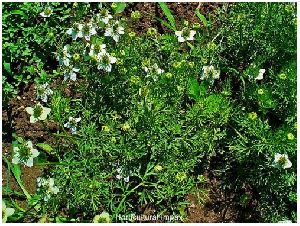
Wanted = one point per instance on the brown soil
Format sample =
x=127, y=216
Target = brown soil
x=220, y=207
x=16, y=120
x=181, y=11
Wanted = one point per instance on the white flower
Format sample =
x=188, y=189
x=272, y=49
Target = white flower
x=47, y=12
x=120, y=175
x=75, y=31
x=24, y=153
x=70, y=73
x=43, y=91
x=102, y=218
x=105, y=62
x=260, y=74
x=72, y=124
x=282, y=160
x=104, y=16
x=114, y=31
x=97, y=49
x=126, y=179
x=88, y=30
x=64, y=58
x=6, y=212
x=209, y=72
x=185, y=35
x=38, y=112
x=48, y=186
x=154, y=69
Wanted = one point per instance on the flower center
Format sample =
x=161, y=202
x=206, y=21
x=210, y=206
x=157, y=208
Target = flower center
x=105, y=60
x=185, y=32
x=103, y=13
x=24, y=152
x=282, y=160
x=86, y=29
x=37, y=111
x=97, y=49
x=48, y=11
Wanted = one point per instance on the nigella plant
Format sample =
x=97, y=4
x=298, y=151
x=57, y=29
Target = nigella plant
x=185, y=35
x=37, y=113
x=72, y=124
x=75, y=31
x=282, y=161
x=114, y=30
x=47, y=187
x=64, y=57
x=47, y=12
x=24, y=153
x=105, y=62
x=96, y=49
x=6, y=212
x=104, y=16
x=210, y=73
x=43, y=92
x=70, y=73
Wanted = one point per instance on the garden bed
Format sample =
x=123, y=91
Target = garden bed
x=195, y=125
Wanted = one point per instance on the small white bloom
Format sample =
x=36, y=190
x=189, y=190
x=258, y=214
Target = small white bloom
x=157, y=69
x=209, y=72
x=75, y=31
x=119, y=177
x=38, y=112
x=185, y=35
x=47, y=12
x=43, y=91
x=104, y=16
x=6, y=212
x=282, y=160
x=126, y=179
x=105, y=62
x=72, y=124
x=48, y=187
x=102, y=218
x=114, y=31
x=260, y=74
x=63, y=59
x=70, y=73
x=154, y=69
x=97, y=49
x=24, y=154
x=88, y=30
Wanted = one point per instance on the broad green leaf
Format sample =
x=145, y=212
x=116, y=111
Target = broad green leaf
x=7, y=67
x=19, y=12
x=168, y=14
x=46, y=147
x=194, y=89
x=120, y=7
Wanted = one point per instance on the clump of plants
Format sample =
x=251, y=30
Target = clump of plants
x=150, y=113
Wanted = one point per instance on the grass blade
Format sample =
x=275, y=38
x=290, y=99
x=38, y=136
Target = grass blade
x=202, y=18
x=168, y=14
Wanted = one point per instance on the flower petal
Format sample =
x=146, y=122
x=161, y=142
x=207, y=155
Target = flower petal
x=29, y=110
x=29, y=162
x=9, y=211
x=35, y=153
x=33, y=119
